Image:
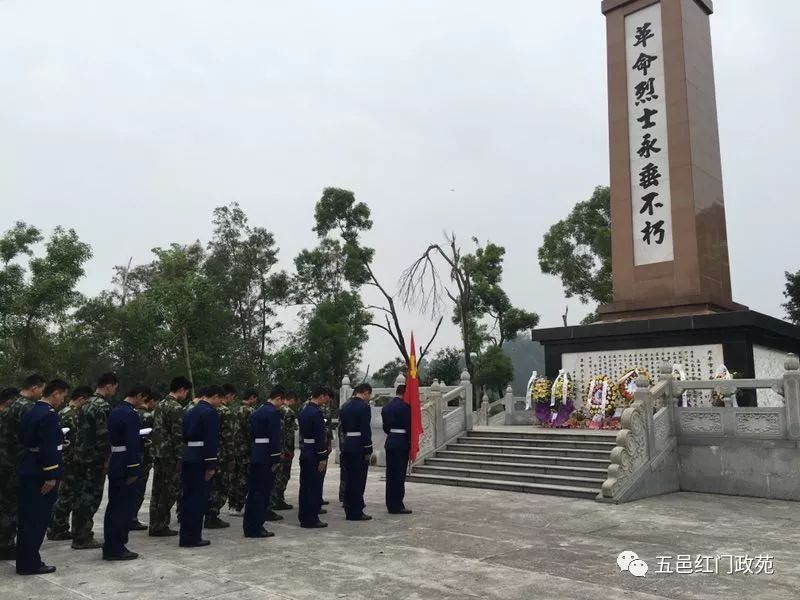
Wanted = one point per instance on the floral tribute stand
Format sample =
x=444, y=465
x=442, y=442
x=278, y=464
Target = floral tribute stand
x=553, y=405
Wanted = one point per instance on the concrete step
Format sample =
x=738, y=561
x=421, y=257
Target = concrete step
x=480, y=465
x=547, y=434
x=567, y=480
x=525, y=459
x=553, y=441
x=509, y=486
x=530, y=450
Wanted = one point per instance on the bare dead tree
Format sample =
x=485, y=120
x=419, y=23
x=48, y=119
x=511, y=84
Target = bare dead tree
x=423, y=287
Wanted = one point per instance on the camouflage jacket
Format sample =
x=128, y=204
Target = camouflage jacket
x=241, y=430
x=69, y=416
x=227, y=427
x=11, y=450
x=167, y=436
x=91, y=439
x=146, y=420
x=288, y=429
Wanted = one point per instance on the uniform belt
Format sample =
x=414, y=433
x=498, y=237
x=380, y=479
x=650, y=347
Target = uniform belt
x=309, y=440
x=397, y=431
x=118, y=448
x=262, y=440
x=195, y=444
x=353, y=434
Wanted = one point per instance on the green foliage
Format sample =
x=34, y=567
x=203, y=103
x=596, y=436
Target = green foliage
x=578, y=250
x=387, y=374
x=792, y=295
x=495, y=369
x=446, y=366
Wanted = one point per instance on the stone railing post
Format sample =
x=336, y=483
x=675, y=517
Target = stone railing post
x=437, y=405
x=791, y=396
x=644, y=395
x=484, y=410
x=467, y=385
x=508, y=402
x=345, y=391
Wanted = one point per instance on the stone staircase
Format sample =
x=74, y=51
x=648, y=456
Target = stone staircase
x=563, y=462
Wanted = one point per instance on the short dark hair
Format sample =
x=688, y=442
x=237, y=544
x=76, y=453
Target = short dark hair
x=201, y=392
x=57, y=385
x=82, y=391
x=32, y=381
x=180, y=383
x=228, y=388
x=320, y=390
x=107, y=379
x=8, y=393
x=277, y=392
x=363, y=387
x=215, y=390
x=139, y=389
x=250, y=393
x=401, y=389
x=291, y=395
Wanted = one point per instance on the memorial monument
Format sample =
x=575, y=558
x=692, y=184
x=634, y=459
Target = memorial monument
x=672, y=292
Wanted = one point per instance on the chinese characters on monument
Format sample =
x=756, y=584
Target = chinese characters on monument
x=647, y=127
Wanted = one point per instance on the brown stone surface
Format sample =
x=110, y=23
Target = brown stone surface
x=697, y=281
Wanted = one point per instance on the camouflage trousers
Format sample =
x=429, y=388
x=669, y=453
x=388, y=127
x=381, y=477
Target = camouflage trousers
x=65, y=503
x=165, y=493
x=141, y=488
x=219, y=491
x=282, y=477
x=238, y=483
x=89, y=481
x=9, y=505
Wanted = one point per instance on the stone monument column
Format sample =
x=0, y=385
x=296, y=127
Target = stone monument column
x=669, y=240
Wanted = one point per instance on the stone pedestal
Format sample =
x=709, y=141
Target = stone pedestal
x=748, y=343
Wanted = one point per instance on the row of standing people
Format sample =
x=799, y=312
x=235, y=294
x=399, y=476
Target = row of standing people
x=179, y=441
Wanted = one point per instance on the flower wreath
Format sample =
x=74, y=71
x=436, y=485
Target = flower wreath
x=540, y=390
x=601, y=397
x=626, y=384
x=561, y=392
x=722, y=373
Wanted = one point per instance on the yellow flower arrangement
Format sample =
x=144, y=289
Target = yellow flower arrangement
x=602, y=396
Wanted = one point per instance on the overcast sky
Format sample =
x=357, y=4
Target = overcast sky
x=131, y=121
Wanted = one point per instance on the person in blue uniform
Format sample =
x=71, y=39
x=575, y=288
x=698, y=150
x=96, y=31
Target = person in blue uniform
x=355, y=420
x=265, y=456
x=313, y=457
x=396, y=416
x=200, y=455
x=124, y=468
x=40, y=434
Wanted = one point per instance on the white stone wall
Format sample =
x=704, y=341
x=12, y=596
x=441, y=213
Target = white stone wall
x=769, y=364
x=699, y=362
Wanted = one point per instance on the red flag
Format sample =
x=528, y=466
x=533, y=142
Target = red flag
x=411, y=398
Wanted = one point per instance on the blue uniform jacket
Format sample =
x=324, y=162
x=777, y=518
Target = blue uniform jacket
x=355, y=419
x=40, y=435
x=201, y=435
x=126, y=445
x=313, y=436
x=265, y=435
x=396, y=415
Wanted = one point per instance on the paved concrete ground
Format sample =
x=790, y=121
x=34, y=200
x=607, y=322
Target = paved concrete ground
x=459, y=543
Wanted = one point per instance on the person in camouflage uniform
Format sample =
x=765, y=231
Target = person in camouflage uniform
x=167, y=448
x=342, y=470
x=288, y=429
x=11, y=453
x=145, y=412
x=227, y=461
x=90, y=457
x=238, y=486
x=59, y=526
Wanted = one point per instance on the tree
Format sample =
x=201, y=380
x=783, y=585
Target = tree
x=446, y=366
x=578, y=250
x=495, y=369
x=792, y=295
x=37, y=300
x=388, y=373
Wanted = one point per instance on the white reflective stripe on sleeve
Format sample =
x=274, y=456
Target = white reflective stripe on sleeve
x=60, y=447
x=309, y=440
x=397, y=431
x=118, y=448
x=353, y=434
x=262, y=440
x=195, y=444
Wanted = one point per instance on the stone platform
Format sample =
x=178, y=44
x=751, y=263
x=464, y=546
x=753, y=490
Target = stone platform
x=460, y=543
